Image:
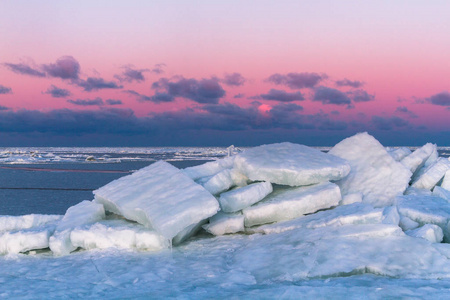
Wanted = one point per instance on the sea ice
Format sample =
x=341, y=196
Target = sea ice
x=85, y=212
x=432, y=174
x=11, y=223
x=374, y=172
x=441, y=192
x=160, y=197
x=430, y=232
x=391, y=215
x=209, y=168
x=407, y=224
x=13, y=242
x=446, y=181
x=290, y=203
x=224, y=180
x=398, y=153
x=223, y=223
x=351, y=198
x=290, y=164
x=417, y=159
x=243, y=197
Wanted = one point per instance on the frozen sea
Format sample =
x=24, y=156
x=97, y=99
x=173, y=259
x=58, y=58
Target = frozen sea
x=50, y=180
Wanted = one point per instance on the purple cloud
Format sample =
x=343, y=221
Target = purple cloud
x=87, y=102
x=158, y=68
x=361, y=96
x=405, y=111
x=235, y=79
x=201, y=91
x=351, y=83
x=5, y=90
x=239, y=96
x=4, y=108
x=113, y=102
x=130, y=75
x=388, y=123
x=156, y=98
x=330, y=96
x=24, y=69
x=56, y=92
x=95, y=83
x=442, y=99
x=282, y=96
x=297, y=80
x=66, y=67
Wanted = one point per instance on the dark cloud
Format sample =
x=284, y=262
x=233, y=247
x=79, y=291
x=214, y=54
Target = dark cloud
x=442, y=99
x=4, y=108
x=158, y=68
x=129, y=74
x=113, y=102
x=346, y=82
x=405, y=111
x=282, y=96
x=87, y=102
x=297, y=80
x=335, y=112
x=239, y=96
x=361, y=96
x=156, y=98
x=389, y=123
x=66, y=67
x=330, y=96
x=24, y=69
x=235, y=79
x=57, y=92
x=5, y=90
x=206, y=91
x=95, y=83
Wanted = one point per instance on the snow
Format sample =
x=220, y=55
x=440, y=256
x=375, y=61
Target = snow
x=85, y=212
x=374, y=173
x=290, y=203
x=290, y=164
x=243, y=197
x=223, y=223
x=417, y=159
x=432, y=174
x=429, y=232
x=160, y=197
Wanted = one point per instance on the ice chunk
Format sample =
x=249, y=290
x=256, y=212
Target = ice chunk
x=374, y=172
x=187, y=233
x=390, y=215
x=24, y=240
x=243, y=197
x=446, y=181
x=432, y=174
x=160, y=197
x=430, y=232
x=223, y=223
x=417, y=191
x=10, y=223
x=85, y=212
x=117, y=234
x=440, y=192
x=398, y=153
x=224, y=180
x=290, y=203
x=425, y=210
x=407, y=224
x=290, y=164
x=351, y=198
x=417, y=159
x=209, y=168
x=356, y=213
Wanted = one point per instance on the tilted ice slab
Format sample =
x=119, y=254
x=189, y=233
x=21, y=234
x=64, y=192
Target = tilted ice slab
x=209, y=168
x=83, y=213
x=290, y=164
x=374, y=172
x=429, y=232
x=223, y=223
x=441, y=192
x=224, y=180
x=432, y=174
x=290, y=203
x=356, y=213
x=417, y=159
x=243, y=197
x=398, y=153
x=446, y=181
x=160, y=197
x=119, y=234
x=11, y=223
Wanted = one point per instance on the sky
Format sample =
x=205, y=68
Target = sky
x=216, y=73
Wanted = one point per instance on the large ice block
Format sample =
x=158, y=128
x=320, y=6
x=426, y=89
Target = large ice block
x=446, y=181
x=374, y=172
x=290, y=164
x=159, y=196
x=10, y=223
x=417, y=159
x=223, y=223
x=290, y=203
x=243, y=197
x=398, y=153
x=13, y=242
x=224, y=180
x=430, y=232
x=83, y=213
x=209, y=168
x=432, y=174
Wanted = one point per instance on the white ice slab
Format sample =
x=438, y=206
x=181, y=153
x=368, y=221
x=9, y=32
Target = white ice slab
x=13, y=242
x=407, y=224
x=430, y=232
x=290, y=164
x=291, y=203
x=209, y=168
x=119, y=234
x=11, y=223
x=446, y=181
x=356, y=213
x=224, y=180
x=243, y=197
x=223, y=223
x=83, y=213
x=398, y=153
x=160, y=197
x=374, y=172
x=187, y=233
x=417, y=159
x=432, y=174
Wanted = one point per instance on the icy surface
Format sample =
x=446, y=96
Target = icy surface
x=407, y=224
x=374, y=172
x=446, y=181
x=85, y=212
x=160, y=197
x=351, y=198
x=209, y=168
x=399, y=153
x=224, y=180
x=432, y=174
x=223, y=223
x=417, y=159
x=441, y=192
x=243, y=197
x=10, y=223
x=429, y=232
x=290, y=164
x=290, y=203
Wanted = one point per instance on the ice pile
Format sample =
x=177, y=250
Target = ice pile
x=357, y=208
